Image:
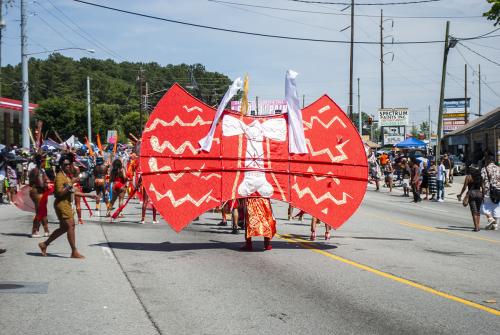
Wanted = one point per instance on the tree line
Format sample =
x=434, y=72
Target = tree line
x=58, y=85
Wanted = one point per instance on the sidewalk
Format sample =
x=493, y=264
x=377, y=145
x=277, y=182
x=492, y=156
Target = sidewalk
x=450, y=193
x=57, y=294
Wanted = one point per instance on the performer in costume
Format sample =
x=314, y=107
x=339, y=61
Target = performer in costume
x=314, y=222
x=145, y=203
x=38, y=181
x=100, y=173
x=74, y=174
x=119, y=180
x=62, y=205
x=259, y=222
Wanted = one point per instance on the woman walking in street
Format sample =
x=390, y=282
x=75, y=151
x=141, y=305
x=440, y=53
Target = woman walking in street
x=38, y=182
x=63, y=193
x=388, y=173
x=474, y=184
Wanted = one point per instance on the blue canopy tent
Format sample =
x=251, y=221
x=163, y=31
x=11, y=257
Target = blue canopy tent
x=411, y=143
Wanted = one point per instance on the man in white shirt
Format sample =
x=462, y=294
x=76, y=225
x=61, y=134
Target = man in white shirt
x=440, y=179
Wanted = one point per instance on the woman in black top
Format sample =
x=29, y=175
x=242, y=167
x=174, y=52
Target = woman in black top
x=474, y=184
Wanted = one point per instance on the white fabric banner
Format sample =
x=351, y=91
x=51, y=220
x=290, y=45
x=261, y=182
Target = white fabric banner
x=296, y=137
x=206, y=142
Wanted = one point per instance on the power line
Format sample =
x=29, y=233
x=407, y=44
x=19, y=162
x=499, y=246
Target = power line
x=484, y=46
x=304, y=39
x=366, y=4
x=477, y=53
x=72, y=29
x=96, y=41
x=342, y=14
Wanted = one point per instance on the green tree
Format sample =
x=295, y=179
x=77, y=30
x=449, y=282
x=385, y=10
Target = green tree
x=424, y=128
x=494, y=12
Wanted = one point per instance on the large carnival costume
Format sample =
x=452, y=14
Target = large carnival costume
x=312, y=158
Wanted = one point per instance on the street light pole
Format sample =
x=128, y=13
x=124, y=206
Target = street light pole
x=89, y=115
x=351, y=61
x=25, y=87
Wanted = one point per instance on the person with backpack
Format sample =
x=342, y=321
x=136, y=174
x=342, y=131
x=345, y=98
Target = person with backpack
x=491, y=188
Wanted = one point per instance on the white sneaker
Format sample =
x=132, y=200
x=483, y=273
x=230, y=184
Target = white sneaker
x=46, y=235
x=494, y=226
x=155, y=221
x=142, y=222
x=36, y=235
x=440, y=200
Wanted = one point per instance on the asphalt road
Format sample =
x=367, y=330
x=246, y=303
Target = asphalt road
x=394, y=268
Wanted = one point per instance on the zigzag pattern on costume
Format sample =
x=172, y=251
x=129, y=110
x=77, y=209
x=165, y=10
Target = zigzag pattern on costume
x=325, y=196
x=309, y=125
x=333, y=158
x=177, y=120
x=187, y=198
x=153, y=166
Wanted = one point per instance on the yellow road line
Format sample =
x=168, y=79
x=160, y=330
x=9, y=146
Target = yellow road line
x=435, y=230
x=308, y=245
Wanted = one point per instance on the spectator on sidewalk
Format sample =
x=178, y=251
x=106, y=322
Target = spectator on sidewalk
x=406, y=174
x=415, y=181
x=388, y=173
x=491, y=179
x=432, y=173
x=447, y=168
x=440, y=179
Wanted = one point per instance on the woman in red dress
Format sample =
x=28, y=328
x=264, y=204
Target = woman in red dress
x=119, y=180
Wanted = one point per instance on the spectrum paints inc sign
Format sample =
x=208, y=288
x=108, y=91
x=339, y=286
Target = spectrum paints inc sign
x=393, y=117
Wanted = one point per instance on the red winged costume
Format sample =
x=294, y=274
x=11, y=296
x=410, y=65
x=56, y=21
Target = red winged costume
x=250, y=156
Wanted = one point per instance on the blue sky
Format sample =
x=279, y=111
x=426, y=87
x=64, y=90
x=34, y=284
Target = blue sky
x=412, y=79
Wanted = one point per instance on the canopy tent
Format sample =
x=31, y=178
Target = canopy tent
x=410, y=143
x=49, y=144
x=72, y=142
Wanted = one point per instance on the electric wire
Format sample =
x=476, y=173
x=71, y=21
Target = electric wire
x=477, y=53
x=343, y=14
x=96, y=41
x=283, y=37
x=366, y=4
x=72, y=29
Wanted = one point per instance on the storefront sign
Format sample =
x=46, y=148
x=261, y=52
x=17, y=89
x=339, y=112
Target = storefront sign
x=393, y=117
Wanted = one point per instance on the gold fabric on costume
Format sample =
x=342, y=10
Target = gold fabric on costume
x=62, y=204
x=259, y=218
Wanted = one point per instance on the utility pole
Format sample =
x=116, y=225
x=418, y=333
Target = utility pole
x=479, y=109
x=359, y=114
x=25, y=83
x=256, y=105
x=441, y=96
x=2, y=26
x=303, y=100
x=146, y=99
x=89, y=115
x=381, y=58
x=466, y=118
x=140, y=100
x=430, y=131
x=351, y=61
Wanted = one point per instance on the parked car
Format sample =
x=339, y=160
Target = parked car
x=458, y=166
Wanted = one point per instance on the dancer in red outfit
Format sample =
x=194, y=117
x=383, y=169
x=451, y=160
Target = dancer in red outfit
x=259, y=222
x=119, y=180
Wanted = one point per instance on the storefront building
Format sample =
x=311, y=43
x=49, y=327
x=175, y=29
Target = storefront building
x=477, y=137
x=11, y=121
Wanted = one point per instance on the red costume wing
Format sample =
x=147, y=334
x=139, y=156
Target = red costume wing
x=181, y=181
x=330, y=181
